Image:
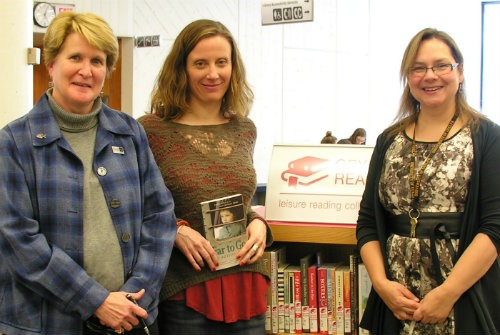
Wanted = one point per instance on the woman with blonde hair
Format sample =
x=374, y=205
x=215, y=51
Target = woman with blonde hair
x=86, y=223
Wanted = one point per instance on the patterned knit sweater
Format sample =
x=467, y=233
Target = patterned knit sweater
x=201, y=163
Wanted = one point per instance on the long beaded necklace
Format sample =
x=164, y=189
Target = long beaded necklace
x=414, y=212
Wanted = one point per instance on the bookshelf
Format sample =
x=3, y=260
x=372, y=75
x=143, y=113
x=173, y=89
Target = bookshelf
x=307, y=237
x=321, y=185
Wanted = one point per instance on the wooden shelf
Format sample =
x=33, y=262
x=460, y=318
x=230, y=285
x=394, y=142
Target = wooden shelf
x=313, y=232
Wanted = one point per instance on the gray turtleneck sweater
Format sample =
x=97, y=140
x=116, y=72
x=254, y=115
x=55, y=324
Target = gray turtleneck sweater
x=102, y=253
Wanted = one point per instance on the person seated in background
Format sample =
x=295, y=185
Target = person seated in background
x=329, y=138
x=357, y=137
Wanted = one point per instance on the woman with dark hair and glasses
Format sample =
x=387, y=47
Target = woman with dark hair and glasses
x=429, y=222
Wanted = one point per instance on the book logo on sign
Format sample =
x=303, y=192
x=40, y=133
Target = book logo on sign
x=305, y=171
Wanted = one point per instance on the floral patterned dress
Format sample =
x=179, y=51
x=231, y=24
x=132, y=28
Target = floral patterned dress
x=443, y=188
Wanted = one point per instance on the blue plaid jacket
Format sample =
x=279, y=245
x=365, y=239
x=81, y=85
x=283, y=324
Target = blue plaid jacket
x=43, y=286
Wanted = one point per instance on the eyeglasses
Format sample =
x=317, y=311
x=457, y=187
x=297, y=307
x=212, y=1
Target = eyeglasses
x=440, y=69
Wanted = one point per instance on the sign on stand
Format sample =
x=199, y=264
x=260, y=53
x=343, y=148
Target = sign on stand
x=316, y=183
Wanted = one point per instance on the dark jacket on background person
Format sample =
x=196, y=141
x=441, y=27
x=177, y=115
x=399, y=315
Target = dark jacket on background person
x=477, y=310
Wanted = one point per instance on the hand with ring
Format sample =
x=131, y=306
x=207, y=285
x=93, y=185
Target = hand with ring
x=256, y=243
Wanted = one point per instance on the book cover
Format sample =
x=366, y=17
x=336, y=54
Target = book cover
x=224, y=221
x=364, y=287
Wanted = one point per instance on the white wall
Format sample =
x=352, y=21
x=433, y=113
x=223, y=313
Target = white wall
x=490, y=103
x=337, y=73
x=16, y=97
x=118, y=13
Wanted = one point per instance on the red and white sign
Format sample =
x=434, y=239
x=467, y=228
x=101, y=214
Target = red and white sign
x=316, y=183
x=64, y=8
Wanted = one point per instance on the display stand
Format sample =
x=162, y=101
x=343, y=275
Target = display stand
x=313, y=197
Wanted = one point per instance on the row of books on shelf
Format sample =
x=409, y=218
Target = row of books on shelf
x=314, y=296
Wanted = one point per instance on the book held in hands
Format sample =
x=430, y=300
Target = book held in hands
x=224, y=221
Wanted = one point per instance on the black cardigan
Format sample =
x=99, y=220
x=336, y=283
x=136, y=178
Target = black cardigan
x=478, y=309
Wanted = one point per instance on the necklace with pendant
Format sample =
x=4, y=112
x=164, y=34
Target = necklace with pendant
x=414, y=212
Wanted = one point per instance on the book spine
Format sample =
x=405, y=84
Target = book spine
x=313, y=300
x=207, y=218
x=304, y=265
x=353, y=267
x=347, y=302
x=297, y=298
x=330, y=279
x=281, y=299
x=339, y=300
x=274, y=292
x=278, y=259
x=323, y=300
x=268, y=328
x=287, y=300
x=266, y=258
x=333, y=296
x=291, y=303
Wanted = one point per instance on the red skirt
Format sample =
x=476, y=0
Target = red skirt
x=238, y=296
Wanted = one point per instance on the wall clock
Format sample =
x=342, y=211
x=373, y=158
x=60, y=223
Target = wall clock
x=43, y=14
